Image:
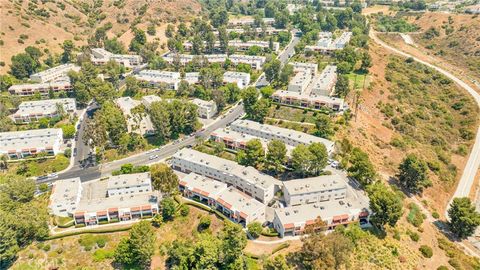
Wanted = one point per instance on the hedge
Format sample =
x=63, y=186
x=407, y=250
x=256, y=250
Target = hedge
x=219, y=214
x=93, y=231
x=282, y=246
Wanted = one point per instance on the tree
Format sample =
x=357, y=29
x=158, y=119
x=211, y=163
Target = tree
x=464, y=219
x=67, y=55
x=287, y=72
x=361, y=167
x=223, y=38
x=163, y=178
x=324, y=252
x=8, y=244
x=385, y=205
x=139, y=247
x=68, y=131
x=168, y=209
x=160, y=117
x=324, y=127
x=253, y=154
x=277, y=263
x=23, y=65
x=234, y=241
x=114, y=46
x=319, y=157
x=301, y=158
x=413, y=174
x=138, y=41
x=250, y=96
x=17, y=190
x=342, y=87
x=131, y=86
x=366, y=60
x=276, y=156
x=272, y=69
x=254, y=229
x=170, y=30
x=261, y=110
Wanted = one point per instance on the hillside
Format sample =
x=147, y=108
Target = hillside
x=46, y=24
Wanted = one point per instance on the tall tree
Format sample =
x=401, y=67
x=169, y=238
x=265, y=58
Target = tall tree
x=320, y=156
x=385, y=205
x=301, y=159
x=464, y=219
x=163, y=178
x=276, y=156
x=361, y=167
x=413, y=174
x=324, y=127
x=23, y=65
x=250, y=96
x=67, y=55
x=160, y=117
x=234, y=241
x=253, y=154
x=272, y=69
x=342, y=87
x=139, y=247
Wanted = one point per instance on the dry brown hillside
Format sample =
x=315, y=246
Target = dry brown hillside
x=47, y=23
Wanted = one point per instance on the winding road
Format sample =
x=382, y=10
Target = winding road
x=468, y=176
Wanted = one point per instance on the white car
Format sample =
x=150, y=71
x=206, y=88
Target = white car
x=153, y=157
x=53, y=175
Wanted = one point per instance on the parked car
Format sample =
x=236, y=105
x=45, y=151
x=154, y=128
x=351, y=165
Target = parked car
x=153, y=157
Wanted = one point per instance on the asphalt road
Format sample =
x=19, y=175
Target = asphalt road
x=473, y=163
x=95, y=172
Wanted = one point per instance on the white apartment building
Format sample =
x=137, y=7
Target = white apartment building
x=206, y=109
x=129, y=184
x=300, y=82
x=326, y=44
x=240, y=45
x=155, y=78
x=267, y=30
x=32, y=111
x=192, y=77
x=148, y=100
x=301, y=219
x=184, y=59
x=141, y=124
x=101, y=56
x=22, y=144
x=42, y=88
x=65, y=196
x=242, y=79
x=309, y=101
x=288, y=136
x=314, y=189
x=256, y=62
x=237, y=206
x=249, y=21
x=324, y=84
x=246, y=179
x=54, y=74
x=312, y=68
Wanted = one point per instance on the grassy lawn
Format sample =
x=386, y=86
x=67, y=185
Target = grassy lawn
x=37, y=167
x=292, y=114
x=358, y=79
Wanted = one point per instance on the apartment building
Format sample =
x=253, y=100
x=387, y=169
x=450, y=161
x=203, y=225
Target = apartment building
x=246, y=179
x=54, y=74
x=148, y=100
x=101, y=56
x=256, y=62
x=141, y=124
x=238, y=141
x=312, y=68
x=127, y=201
x=326, y=44
x=22, y=144
x=125, y=184
x=288, y=136
x=192, y=77
x=267, y=30
x=43, y=89
x=306, y=218
x=237, y=206
x=184, y=59
x=32, y=111
x=156, y=78
x=249, y=21
x=324, y=84
x=300, y=82
x=206, y=109
x=314, y=189
x=309, y=101
x=239, y=45
x=65, y=196
x=241, y=79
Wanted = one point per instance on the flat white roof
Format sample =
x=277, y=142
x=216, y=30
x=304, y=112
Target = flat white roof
x=148, y=100
x=234, y=199
x=128, y=180
x=203, y=103
x=33, y=86
x=203, y=185
x=311, y=98
x=314, y=184
x=65, y=194
x=41, y=107
x=37, y=138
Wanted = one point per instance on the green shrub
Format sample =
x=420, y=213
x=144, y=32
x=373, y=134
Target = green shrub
x=254, y=229
x=101, y=241
x=435, y=215
x=415, y=216
x=102, y=254
x=426, y=251
x=204, y=224
x=442, y=267
x=46, y=247
x=414, y=236
x=184, y=210
x=455, y=264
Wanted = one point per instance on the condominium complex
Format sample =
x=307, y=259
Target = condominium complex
x=241, y=45
x=65, y=196
x=306, y=218
x=54, y=74
x=309, y=90
x=241, y=79
x=141, y=124
x=246, y=179
x=148, y=100
x=32, y=111
x=42, y=88
x=206, y=109
x=101, y=56
x=314, y=189
x=255, y=62
x=125, y=184
x=118, y=198
x=156, y=78
x=236, y=205
x=249, y=21
x=326, y=44
x=192, y=77
x=22, y=144
x=288, y=136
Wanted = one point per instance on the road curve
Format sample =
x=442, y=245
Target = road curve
x=473, y=163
